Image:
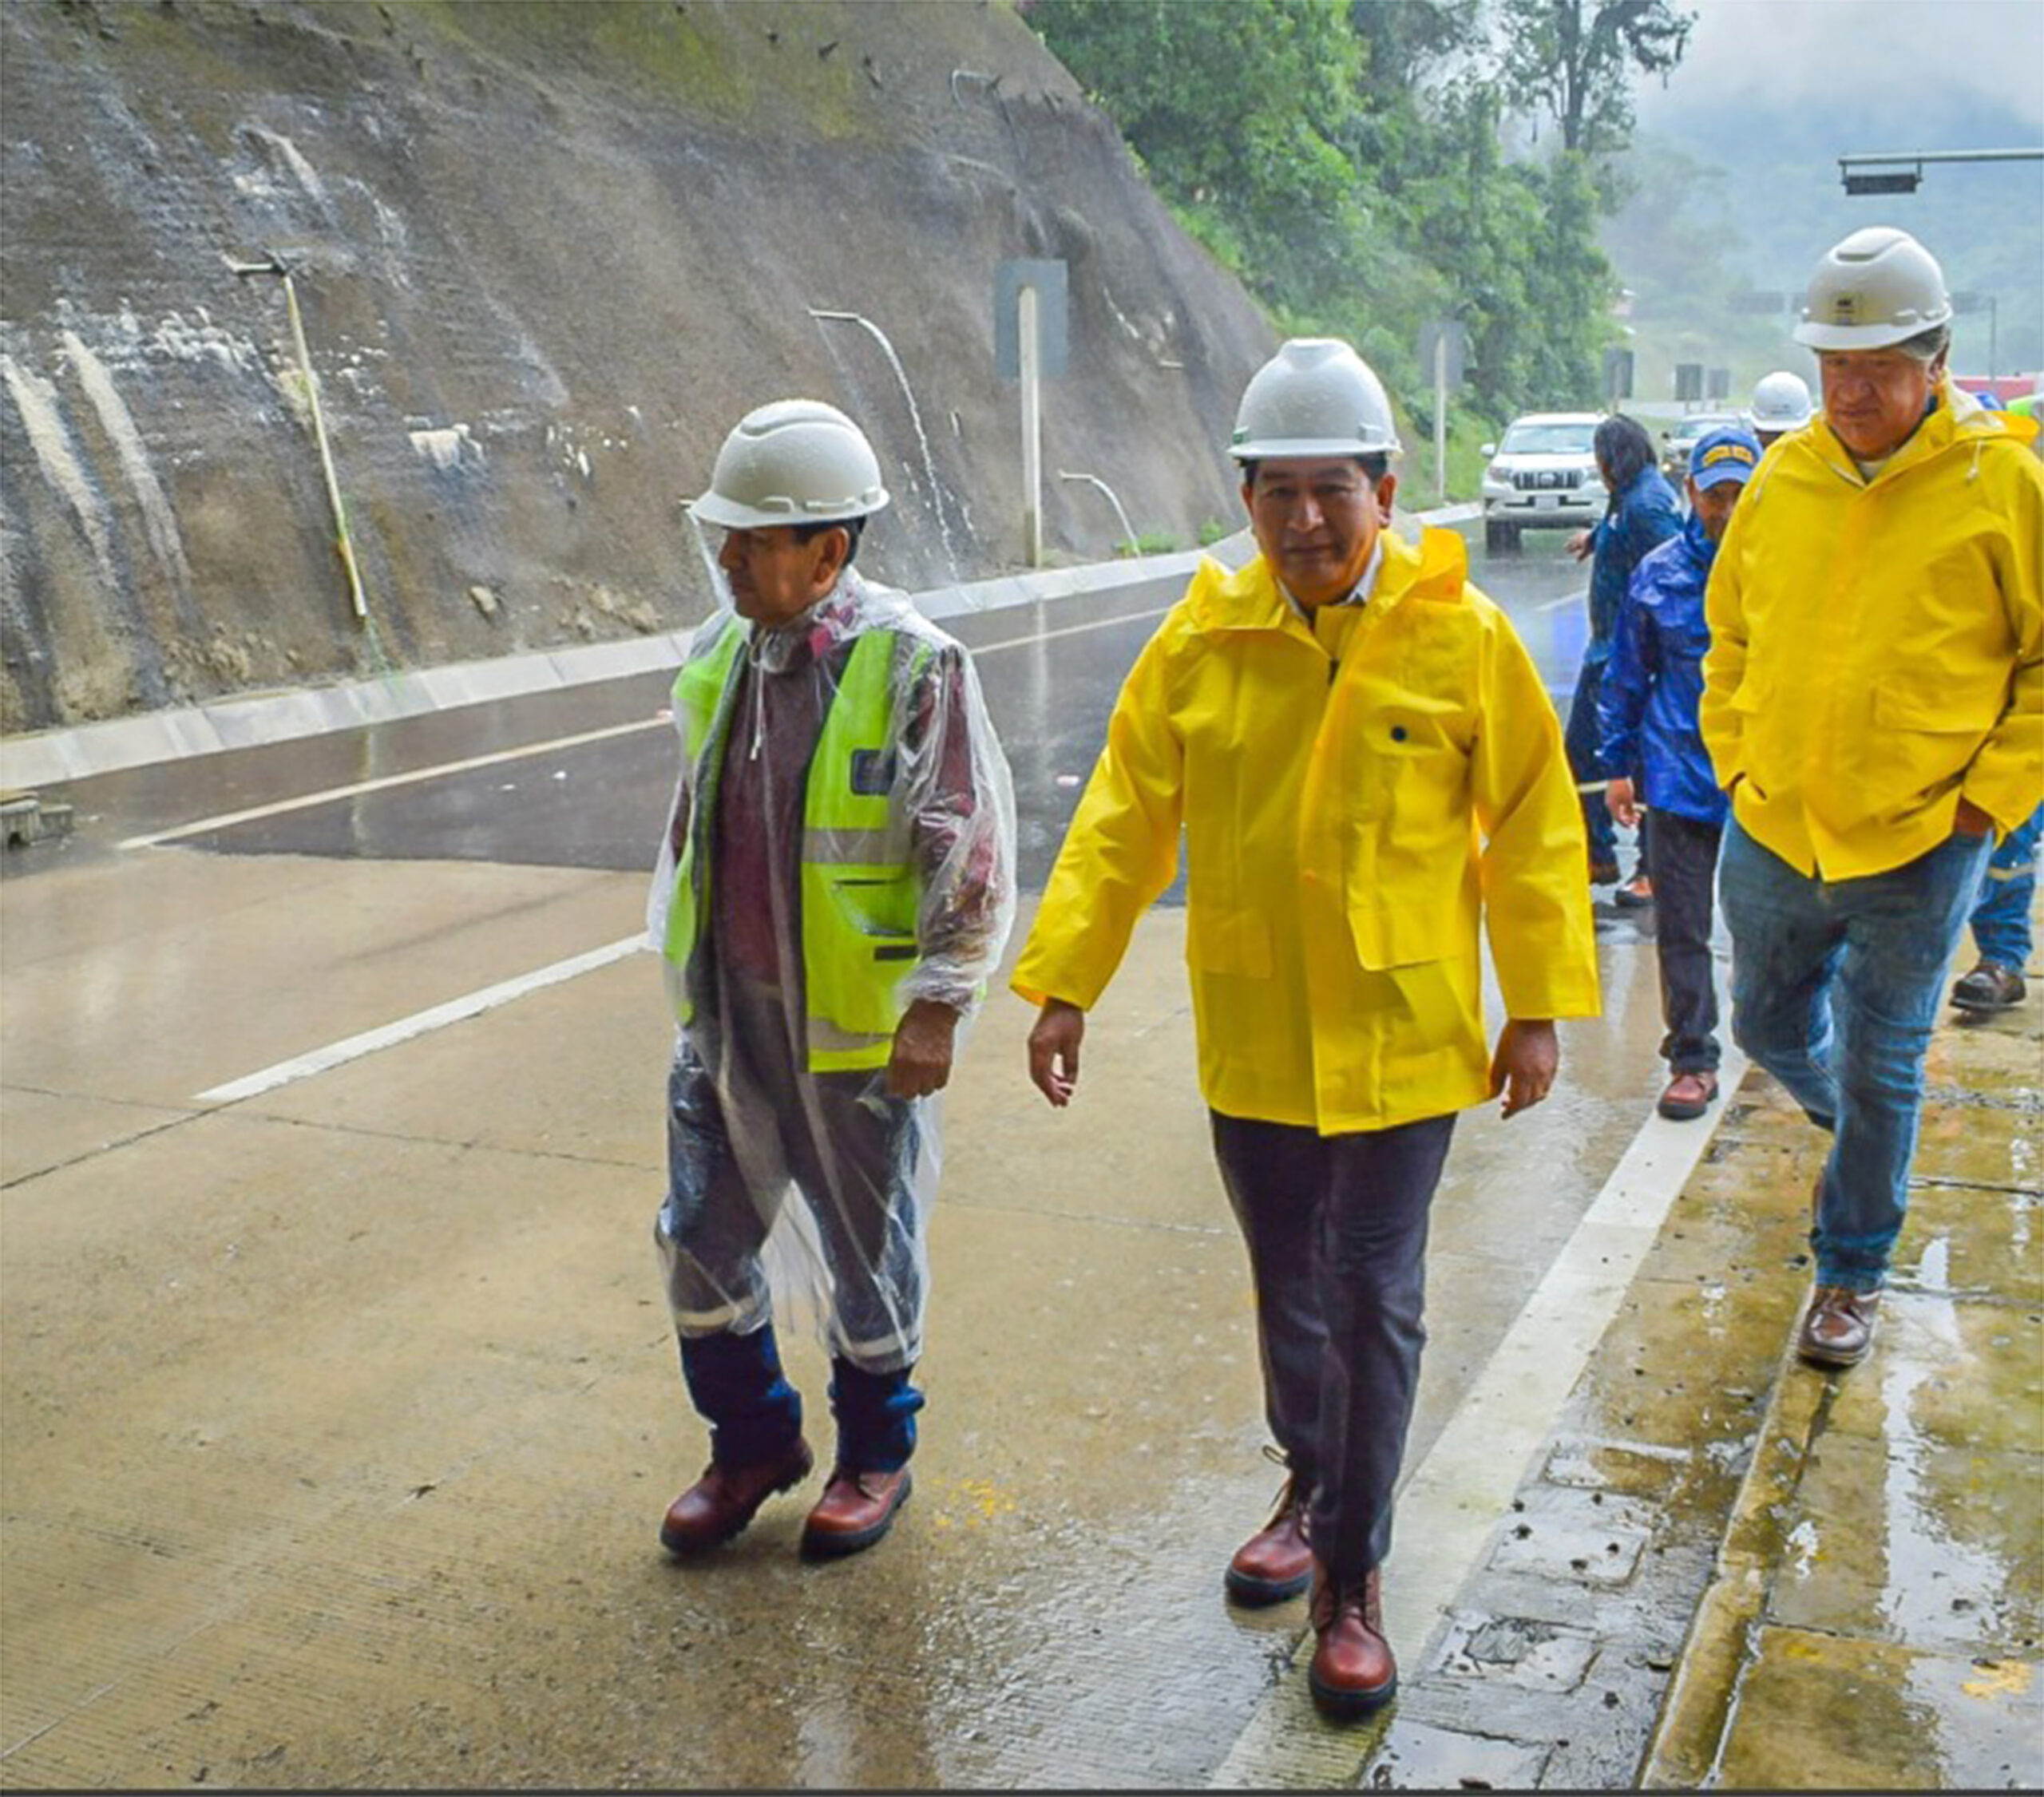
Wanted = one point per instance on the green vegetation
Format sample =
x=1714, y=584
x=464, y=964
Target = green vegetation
x=1343, y=158
x=1149, y=543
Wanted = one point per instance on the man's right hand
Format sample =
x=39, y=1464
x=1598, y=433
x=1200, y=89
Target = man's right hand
x=1054, y=1051
x=1580, y=544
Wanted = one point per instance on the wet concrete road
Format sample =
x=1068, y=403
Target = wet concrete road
x=340, y=1420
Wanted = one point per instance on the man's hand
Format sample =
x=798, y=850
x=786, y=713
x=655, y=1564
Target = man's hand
x=1578, y=545
x=921, y=1064
x=1971, y=821
x=1620, y=802
x=1523, y=1066
x=1054, y=1051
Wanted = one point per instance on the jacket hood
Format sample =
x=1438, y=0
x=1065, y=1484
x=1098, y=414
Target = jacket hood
x=1436, y=568
x=1956, y=421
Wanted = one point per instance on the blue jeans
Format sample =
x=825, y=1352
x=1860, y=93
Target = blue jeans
x=1835, y=986
x=2001, y=921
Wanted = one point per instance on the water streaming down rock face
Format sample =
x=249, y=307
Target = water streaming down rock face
x=443, y=222
x=158, y=522
x=936, y=493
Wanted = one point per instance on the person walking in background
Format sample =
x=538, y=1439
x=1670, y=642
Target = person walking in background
x=1369, y=774
x=1647, y=712
x=1874, y=705
x=1641, y=514
x=2001, y=923
x=835, y=886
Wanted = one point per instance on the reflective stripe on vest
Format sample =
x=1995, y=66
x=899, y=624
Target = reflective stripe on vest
x=859, y=889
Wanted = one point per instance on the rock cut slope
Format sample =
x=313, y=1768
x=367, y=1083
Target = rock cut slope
x=546, y=254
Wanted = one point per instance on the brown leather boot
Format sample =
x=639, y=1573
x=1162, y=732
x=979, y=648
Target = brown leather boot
x=855, y=1510
x=1353, y=1671
x=720, y=1503
x=1276, y=1562
x=1838, y=1328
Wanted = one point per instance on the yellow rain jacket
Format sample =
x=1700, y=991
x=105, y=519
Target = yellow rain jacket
x=1876, y=652
x=1349, y=825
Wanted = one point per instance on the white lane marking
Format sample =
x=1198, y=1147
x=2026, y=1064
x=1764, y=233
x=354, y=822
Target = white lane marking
x=1574, y=598
x=226, y=820
x=1456, y=1498
x=319, y=1060
x=384, y=783
x=302, y=1067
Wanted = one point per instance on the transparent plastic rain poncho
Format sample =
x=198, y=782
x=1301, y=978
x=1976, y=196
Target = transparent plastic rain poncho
x=797, y=1192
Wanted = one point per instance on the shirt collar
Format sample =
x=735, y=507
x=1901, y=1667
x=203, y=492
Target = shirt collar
x=1357, y=595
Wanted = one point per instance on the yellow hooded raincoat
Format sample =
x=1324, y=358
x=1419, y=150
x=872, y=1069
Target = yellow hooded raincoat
x=1347, y=827
x=1876, y=652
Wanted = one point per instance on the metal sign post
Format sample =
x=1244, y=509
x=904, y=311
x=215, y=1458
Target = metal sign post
x=1029, y=344
x=1032, y=429
x=1443, y=342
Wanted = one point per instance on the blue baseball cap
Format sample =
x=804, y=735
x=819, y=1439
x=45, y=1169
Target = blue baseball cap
x=1727, y=453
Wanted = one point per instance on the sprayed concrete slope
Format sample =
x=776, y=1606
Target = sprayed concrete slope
x=546, y=256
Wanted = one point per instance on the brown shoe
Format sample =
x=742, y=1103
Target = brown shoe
x=1635, y=893
x=1838, y=1328
x=720, y=1503
x=1688, y=1095
x=1990, y=986
x=1353, y=1671
x=1276, y=1562
x=855, y=1510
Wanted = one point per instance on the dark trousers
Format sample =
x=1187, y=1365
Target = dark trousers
x=1682, y=862
x=1337, y=1231
x=1579, y=739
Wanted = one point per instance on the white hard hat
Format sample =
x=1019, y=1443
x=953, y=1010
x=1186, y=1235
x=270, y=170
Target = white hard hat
x=1879, y=287
x=1316, y=396
x=797, y=461
x=1781, y=402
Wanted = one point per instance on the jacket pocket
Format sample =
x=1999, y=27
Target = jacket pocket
x=1906, y=704
x=1221, y=940
x=1406, y=931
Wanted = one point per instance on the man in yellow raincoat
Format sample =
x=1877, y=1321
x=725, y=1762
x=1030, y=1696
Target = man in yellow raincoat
x=1874, y=702
x=1367, y=771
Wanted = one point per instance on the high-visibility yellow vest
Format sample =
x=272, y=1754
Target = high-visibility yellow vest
x=860, y=890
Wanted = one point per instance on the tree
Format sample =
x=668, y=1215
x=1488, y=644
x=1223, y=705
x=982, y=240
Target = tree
x=1575, y=59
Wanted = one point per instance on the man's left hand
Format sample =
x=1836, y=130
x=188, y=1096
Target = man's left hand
x=1971, y=821
x=921, y=1064
x=1523, y=1067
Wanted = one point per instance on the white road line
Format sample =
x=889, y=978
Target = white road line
x=303, y=1066
x=1456, y=1498
x=1574, y=598
x=205, y=827
x=497, y=758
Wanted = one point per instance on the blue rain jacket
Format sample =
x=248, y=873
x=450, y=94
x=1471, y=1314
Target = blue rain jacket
x=1646, y=710
x=1646, y=514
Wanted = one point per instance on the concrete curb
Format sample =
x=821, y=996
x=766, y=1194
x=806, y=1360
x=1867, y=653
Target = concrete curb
x=250, y=720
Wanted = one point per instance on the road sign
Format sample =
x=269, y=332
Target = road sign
x=1617, y=375
x=1047, y=277
x=1438, y=334
x=1688, y=380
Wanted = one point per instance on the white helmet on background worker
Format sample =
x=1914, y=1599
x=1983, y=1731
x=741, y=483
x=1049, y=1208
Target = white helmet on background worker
x=796, y=461
x=1876, y=288
x=1781, y=402
x=1316, y=396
